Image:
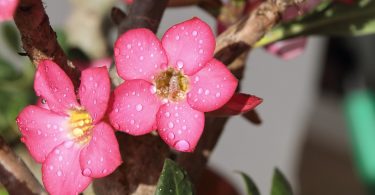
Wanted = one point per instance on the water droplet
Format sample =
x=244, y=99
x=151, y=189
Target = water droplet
x=171, y=135
x=129, y=46
x=101, y=159
x=48, y=126
x=153, y=89
x=86, y=172
x=167, y=114
x=141, y=58
x=116, y=110
x=59, y=173
x=200, y=51
x=139, y=107
x=218, y=94
x=60, y=158
x=89, y=162
x=194, y=33
x=51, y=167
x=180, y=64
x=182, y=145
x=104, y=171
x=170, y=125
x=94, y=102
x=196, y=79
x=39, y=132
x=57, y=151
x=177, y=37
x=132, y=122
x=184, y=127
x=207, y=92
x=200, y=90
x=200, y=41
x=68, y=144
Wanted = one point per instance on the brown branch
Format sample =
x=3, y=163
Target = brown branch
x=15, y=175
x=39, y=39
x=144, y=14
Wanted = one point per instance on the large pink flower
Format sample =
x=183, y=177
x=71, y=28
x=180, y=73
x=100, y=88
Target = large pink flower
x=7, y=8
x=69, y=138
x=169, y=84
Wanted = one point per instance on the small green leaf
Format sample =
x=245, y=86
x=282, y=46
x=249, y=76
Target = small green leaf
x=251, y=188
x=11, y=36
x=173, y=180
x=329, y=18
x=280, y=186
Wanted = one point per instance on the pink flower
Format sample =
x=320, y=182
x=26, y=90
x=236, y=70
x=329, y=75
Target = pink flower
x=169, y=84
x=70, y=139
x=7, y=8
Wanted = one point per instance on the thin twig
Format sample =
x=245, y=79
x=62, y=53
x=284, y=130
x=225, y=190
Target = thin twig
x=38, y=38
x=15, y=175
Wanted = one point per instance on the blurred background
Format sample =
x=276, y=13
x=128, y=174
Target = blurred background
x=317, y=107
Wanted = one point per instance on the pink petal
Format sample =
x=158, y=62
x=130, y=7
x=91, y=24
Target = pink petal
x=61, y=172
x=52, y=84
x=189, y=45
x=102, y=156
x=7, y=9
x=94, y=91
x=42, y=130
x=180, y=126
x=134, y=108
x=239, y=103
x=288, y=49
x=211, y=87
x=139, y=55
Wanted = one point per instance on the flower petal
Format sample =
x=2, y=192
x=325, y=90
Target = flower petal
x=7, y=7
x=52, y=84
x=102, y=156
x=139, y=55
x=288, y=49
x=134, y=108
x=94, y=91
x=240, y=103
x=189, y=45
x=42, y=130
x=61, y=172
x=180, y=126
x=211, y=87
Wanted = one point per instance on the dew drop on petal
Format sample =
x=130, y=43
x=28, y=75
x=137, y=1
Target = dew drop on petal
x=68, y=144
x=153, y=89
x=200, y=90
x=180, y=64
x=218, y=94
x=59, y=173
x=182, y=145
x=177, y=37
x=207, y=92
x=139, y=107
x=132, y=122
x=171, y=135
x=200, y=51
x=167, y=114
x=170, y=125
x=86, y=172
x=116, y=109
x=194, y=33
x=129, y=46
x=141, y=58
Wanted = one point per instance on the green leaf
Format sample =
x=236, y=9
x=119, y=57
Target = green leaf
x=329, y=18
x=280, y=186
x=251, y=188
x=173, y=180
x=11, y=36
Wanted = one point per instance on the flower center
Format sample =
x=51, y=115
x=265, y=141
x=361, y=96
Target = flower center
x=80, y=124
x=172, y=85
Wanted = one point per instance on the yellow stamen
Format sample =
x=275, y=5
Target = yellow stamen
x=80, y=124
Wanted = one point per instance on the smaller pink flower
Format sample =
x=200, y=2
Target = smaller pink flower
x=7, y=9
x=69, y=138
x=169, y=84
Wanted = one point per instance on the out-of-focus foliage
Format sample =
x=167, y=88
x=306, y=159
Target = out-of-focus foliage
x=280, y=186
x=11, y=36
x=329, y=18
x=16, y=85
x=251, y=188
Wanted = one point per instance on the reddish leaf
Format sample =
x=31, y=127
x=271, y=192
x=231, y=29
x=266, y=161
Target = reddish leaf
x=240, y=103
